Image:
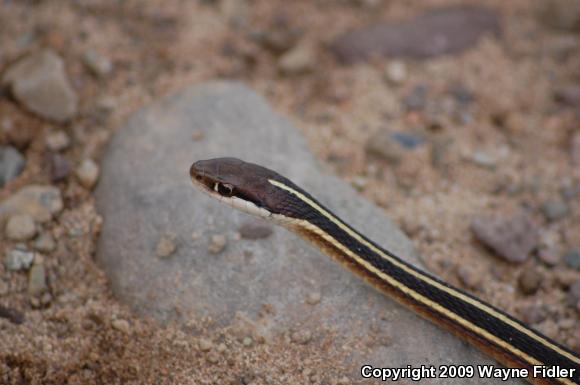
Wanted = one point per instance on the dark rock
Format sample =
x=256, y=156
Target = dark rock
x=11, y=315
x=59, y=167
x=436, y=32
x=511, y=238
x=530, y=281
x=11, y=164
x=408, y=140
x=136, y=205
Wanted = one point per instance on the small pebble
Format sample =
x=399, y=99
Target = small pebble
x=217, y=243
x=382, y=145
x=549, y=256
x=567, y=323
x=40, y=201
x=121, y=325
x=37, y=280
x=255, y=230
x=247, y=341
x=511, y=237
x=166, y=246
x=3, y=288
x=301, y=337
x=555, y=210
x=396, y=72
x=87, y=173
x=99, y=65
x=45, y=243
x=221, y=348
x=359, y=182
x=298, y=60
x=204, y=345
x=469, y=276
x=572, y=258
x=11, y=315
x=407, y=140
x=313, y=297
x=18, y=258
x=57, y=141
x=59, y=167
x=417, y=99
x=11, y=164
x=213, y=358
x=530, y=281
x=20, y=227
x=483, y=159
x=40, y=83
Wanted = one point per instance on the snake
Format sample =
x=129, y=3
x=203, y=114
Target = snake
x=264, y=193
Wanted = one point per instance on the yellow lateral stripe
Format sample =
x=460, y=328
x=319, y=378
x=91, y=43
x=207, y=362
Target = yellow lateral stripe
x=423, y=277
x=419, y=297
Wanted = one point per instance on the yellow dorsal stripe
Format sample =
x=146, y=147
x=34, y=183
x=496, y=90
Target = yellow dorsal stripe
x=425, y=278
x=417, y=296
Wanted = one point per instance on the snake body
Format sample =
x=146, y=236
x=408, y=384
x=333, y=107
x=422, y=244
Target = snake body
x=264, y=193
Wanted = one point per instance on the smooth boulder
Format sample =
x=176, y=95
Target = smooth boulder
x=278, y=284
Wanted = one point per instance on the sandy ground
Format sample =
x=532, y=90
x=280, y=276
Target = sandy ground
x=77, y=333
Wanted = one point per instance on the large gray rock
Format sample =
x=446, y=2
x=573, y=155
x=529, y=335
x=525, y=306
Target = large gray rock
x=272, y=283
x=436, y=32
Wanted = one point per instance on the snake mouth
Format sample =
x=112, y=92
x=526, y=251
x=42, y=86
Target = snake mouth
x=201, y=179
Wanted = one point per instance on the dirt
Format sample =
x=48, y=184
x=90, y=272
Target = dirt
x=79, y=334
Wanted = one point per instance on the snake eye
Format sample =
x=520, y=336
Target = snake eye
x=224, y=189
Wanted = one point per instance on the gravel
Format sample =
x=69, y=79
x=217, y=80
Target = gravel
x=37, y=280
x=20, y=227
x=45, y=243
x=510, y=237
x=87, y=173
x=57, y=141
x=555, y=210
x=11, y=164
x=300, y=59
x=42, y=202
x=572, y=258
x=19, y=258
x=529, y=281
x=39, y=82
x=100, y=65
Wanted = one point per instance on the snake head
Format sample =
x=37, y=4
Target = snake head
x=245, y=186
